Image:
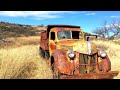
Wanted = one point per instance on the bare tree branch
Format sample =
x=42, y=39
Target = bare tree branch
x=116, y=28
x=107, y=29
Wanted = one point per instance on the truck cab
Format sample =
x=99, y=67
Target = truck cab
x=69, y=55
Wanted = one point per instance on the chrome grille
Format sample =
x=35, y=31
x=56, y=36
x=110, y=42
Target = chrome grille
x=87, y=63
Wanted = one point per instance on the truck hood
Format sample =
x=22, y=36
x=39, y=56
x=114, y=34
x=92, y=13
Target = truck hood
x=85, y=47
x=68, y=42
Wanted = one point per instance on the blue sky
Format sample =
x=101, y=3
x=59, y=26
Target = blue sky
x=88, y=20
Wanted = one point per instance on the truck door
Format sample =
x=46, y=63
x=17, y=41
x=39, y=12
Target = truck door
x=52, y=42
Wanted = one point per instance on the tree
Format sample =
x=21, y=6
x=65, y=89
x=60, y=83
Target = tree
x=100, y=32
x=115, y=28
x=108, y=30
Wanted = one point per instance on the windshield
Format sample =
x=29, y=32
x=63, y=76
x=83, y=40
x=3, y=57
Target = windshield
x=69, y=34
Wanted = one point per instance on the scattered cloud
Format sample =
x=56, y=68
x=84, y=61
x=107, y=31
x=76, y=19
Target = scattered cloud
x=115, y=16
x=38, y=15
x=88, y=14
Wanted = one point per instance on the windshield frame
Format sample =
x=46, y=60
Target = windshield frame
x=70, y=36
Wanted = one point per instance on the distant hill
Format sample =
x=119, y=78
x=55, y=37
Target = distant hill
x=17, y=30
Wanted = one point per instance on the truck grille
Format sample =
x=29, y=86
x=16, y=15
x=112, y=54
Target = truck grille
x=87, y=63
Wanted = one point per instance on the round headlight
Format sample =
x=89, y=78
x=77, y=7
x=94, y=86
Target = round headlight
x=71, y=54
x=102, y=53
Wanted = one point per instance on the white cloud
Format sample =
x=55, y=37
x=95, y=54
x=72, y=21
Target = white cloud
x=88, y=14
x=115, y=16
x=35, y=14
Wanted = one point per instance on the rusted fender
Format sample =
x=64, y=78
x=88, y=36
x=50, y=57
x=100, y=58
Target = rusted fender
x=61, y=61
x=105, y=64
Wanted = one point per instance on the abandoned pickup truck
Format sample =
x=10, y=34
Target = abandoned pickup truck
x=70, y=56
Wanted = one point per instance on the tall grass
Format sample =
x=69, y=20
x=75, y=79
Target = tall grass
x=23, y=63
x=113, y=51
x=19, y=41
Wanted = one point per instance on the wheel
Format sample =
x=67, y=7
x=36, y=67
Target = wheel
x=56, y=73
x=42, y=53
x=46, y=55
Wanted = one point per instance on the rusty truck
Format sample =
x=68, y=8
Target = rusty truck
x=70, y=56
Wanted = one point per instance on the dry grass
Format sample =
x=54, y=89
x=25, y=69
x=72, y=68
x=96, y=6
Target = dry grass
x=23, y=62
x=113, y=51
x=19, y=41
x=32, y=40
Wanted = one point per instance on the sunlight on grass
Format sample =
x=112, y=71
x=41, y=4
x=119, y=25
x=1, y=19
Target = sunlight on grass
x=113, y=51
x=23, y=62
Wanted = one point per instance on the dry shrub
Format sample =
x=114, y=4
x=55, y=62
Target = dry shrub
x=33, y=40
x=19, y=41
x=23, y=63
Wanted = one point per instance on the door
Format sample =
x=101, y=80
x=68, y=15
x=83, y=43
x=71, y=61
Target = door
x=52, y=43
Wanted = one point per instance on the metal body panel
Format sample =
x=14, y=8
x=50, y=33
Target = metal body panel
x=44, y=41
x=84, y=65
x=102, y=75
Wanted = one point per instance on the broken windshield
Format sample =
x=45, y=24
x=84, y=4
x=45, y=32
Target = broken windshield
x=68, y=34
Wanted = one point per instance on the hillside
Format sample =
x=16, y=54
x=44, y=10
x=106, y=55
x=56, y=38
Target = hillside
x=8, y=30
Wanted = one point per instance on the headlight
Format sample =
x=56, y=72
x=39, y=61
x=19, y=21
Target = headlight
x=102, y=53
x=70, y=54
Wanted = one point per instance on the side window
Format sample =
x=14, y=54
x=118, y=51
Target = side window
x=75, y=34
x=52, y=36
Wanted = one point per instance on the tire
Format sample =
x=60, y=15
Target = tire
x=41, y=53
x=56, y=73
x=46, y=55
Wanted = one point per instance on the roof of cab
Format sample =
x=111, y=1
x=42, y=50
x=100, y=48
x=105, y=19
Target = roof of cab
x=61, y=25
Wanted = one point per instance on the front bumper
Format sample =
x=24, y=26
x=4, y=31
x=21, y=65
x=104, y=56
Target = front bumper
x=101, y=75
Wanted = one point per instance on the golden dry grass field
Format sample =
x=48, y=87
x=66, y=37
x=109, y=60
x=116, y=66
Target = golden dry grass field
x=19, y=58
x=112, y=48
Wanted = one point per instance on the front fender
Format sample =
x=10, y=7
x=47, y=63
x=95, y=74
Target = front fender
x=61, y=62
x=105, y=64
